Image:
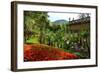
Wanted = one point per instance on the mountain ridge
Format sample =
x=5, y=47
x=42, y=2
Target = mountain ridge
x=61, y=21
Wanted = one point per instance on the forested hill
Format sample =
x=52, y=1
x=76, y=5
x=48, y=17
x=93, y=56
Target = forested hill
x=59, y=22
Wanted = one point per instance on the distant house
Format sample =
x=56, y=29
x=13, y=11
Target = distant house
x=80, y=24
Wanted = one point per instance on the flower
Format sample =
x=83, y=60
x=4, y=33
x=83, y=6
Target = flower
x=40, y=52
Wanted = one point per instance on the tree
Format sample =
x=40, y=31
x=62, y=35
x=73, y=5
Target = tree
x=29, y=22
x=42, y=22
x=34, y=22
x=83, y=15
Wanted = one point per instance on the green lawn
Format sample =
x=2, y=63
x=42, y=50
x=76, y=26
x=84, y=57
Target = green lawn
x=33, y=40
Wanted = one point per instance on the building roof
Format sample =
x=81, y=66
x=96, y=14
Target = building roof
x=82, y=20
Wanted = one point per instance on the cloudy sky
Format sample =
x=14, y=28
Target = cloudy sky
x=65, y=16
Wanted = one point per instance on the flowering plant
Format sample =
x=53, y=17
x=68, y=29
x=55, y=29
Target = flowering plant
x=42, y=52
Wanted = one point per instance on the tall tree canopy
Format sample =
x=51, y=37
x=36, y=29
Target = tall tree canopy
x=35, y=22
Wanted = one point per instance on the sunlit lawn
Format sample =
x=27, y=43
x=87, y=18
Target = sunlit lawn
x=33, y=40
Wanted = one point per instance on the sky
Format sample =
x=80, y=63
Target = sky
x=65, y=16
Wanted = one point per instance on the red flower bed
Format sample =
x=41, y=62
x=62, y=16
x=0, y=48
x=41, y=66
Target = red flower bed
x=37, y=52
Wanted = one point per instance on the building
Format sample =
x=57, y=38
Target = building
x=79, y=24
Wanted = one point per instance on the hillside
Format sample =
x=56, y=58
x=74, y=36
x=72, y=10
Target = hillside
x=62, y=21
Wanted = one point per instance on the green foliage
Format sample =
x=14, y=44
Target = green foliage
x=38, y=29
x=35, y=24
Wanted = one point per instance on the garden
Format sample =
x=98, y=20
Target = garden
x=46, y=40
